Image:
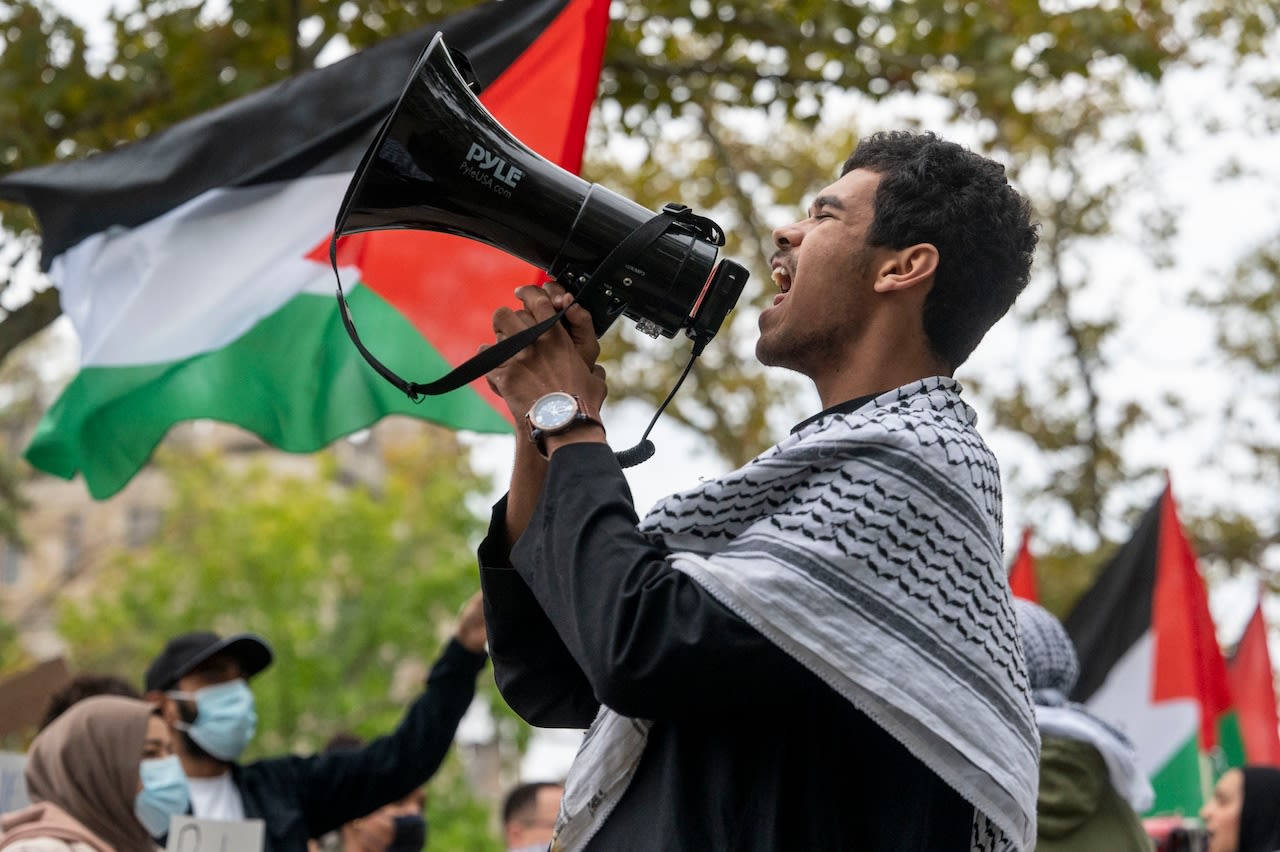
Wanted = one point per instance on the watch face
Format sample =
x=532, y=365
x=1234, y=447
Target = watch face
x=553, y=411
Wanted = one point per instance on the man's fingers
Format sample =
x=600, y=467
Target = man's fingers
x=537, y=301
x=507, y=322
x=582, y=331
x=557, y=292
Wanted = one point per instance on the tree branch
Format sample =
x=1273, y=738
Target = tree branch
x=26, y=321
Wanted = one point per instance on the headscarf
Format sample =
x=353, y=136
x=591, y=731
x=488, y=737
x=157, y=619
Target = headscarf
x=1260, y=812
x=45, y=820
x=86, y=762
x=1052, y=663
x=1052, y=669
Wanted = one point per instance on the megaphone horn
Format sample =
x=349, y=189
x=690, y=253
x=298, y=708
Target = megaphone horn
x=441, y=162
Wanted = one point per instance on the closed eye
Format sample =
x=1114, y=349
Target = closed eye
x=821, y=206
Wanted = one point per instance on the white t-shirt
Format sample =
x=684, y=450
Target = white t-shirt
x=216, y=798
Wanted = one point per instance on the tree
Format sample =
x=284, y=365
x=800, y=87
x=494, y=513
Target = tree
x=356, y=588
x=747, y=89
x=741, y=109
x=1245, y=303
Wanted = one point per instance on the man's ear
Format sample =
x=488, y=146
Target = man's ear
x=906, y=268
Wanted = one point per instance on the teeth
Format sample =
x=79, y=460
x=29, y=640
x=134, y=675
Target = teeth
x=781, y=277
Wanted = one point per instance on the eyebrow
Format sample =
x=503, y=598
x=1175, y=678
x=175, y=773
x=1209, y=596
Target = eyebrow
x=826, y=201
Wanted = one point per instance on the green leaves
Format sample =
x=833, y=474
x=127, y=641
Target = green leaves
x=742, y=110
x=356, y=589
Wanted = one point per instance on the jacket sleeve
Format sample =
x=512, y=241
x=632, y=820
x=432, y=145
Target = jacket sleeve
x=339, y=787
x=534, y=671
x=650, y=642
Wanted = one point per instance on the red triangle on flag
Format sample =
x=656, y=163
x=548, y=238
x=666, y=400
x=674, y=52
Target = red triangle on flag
x=1022, y=576
x=448, y=286
x=1188, y=660
x=1253, y=687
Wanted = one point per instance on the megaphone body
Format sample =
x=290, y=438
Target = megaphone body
x=441, y=162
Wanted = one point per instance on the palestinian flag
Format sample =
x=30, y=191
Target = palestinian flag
x=194, y=264
x=1150, y=662
x=1253, y=688
x=1022, y=576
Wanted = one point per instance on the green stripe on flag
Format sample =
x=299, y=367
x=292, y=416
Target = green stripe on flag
x=1231, y=740
x=1178, y=783
x=1183, y=784
x=294, y=379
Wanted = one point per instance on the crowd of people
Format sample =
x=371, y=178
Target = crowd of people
x=816, y=651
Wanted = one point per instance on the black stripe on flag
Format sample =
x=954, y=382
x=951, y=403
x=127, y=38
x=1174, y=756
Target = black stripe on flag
x=1116, y=611
x=319, y=122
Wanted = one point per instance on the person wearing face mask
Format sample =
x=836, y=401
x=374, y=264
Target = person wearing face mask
x=397, y=827
x=104, y=777
x=1244, y=813
x=200, y=681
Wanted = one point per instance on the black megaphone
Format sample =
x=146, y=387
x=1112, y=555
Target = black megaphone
x=441, y=162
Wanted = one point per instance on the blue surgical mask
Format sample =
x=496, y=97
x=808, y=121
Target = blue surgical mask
x=164, y=794
x=410, y=833
x=225, y=718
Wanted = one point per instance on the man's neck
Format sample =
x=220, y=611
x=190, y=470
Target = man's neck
x=202, y=767
x=868, y=373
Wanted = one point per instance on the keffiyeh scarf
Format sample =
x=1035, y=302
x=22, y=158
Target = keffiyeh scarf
x=1052, y=670
x=867, y=546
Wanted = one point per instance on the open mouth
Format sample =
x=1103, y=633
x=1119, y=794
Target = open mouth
x=781, y=277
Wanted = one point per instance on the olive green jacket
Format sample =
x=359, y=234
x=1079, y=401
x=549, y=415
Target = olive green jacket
x=1078, y=810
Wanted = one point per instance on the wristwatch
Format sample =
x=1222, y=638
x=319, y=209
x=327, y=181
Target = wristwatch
x=555, y=414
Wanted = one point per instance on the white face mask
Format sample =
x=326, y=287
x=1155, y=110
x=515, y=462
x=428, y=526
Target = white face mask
x=164, y=794
x=225, y=718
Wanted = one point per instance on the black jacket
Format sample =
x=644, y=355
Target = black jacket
x=303, y=797
x=749, y=750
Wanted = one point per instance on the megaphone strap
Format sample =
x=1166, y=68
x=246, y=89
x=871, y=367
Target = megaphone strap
x=481, y=363
x=465, y=373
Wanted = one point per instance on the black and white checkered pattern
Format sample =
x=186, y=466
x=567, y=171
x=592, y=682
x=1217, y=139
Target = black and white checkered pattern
x=868, y=547
x=1052, y=664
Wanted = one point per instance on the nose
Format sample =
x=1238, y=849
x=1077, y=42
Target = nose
x=788, y=236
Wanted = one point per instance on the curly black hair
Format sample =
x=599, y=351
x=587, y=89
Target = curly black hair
x=934, y=191
x=84, y=686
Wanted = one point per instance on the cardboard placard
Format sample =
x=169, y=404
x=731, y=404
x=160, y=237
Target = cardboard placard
x=191, y=834
x=26, y=695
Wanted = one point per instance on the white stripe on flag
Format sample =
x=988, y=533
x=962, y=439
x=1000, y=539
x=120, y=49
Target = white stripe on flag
x=201, y=275
x=1158, y=730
